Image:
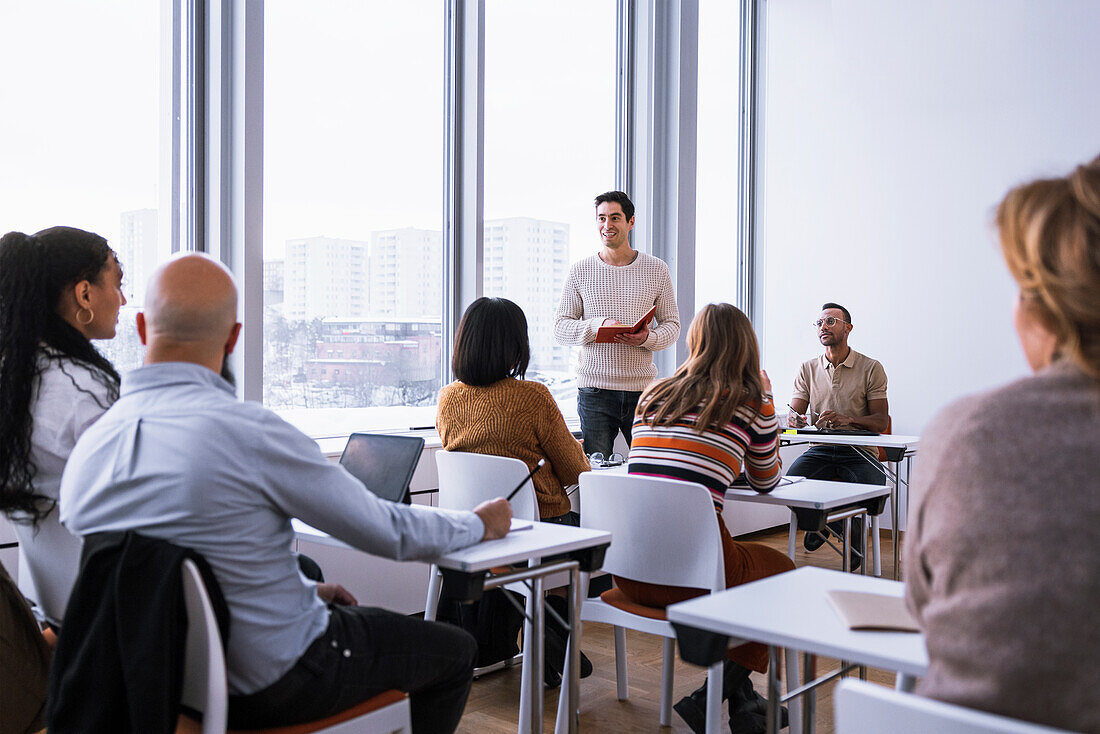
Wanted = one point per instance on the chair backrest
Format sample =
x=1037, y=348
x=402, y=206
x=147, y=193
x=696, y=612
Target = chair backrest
x=204, y=677
x=383, y=463
x=889, y=429
x=864, y=707
x=466, y=480
x=663, y=531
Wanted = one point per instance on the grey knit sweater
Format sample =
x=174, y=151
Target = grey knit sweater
x=1003, y=552
x=594, y=291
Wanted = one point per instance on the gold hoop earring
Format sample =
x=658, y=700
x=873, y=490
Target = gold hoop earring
x=80, y=316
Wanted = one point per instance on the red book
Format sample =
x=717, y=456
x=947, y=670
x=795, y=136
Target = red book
x=606, y=334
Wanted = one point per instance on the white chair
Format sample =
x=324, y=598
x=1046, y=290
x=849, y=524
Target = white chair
x=862, y=707
x=465, y=481
x=205, y=686
x=664, y=532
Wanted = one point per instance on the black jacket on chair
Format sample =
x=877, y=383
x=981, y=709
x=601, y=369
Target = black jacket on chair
x=118, y=666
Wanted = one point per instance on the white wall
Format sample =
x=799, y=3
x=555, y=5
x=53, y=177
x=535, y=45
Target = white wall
x=892, y=131
x=10, y=556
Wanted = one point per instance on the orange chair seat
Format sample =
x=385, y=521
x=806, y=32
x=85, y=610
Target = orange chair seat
x=187, y=725
x=616, y=598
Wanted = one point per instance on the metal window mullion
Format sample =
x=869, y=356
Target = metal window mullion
x=686, y=124
x=664, y=158
x=232, y=225
x=750, y=169
x=195, y=124
x=464, y=180
x=624, y=94
x=245, y=156
x=177, y=124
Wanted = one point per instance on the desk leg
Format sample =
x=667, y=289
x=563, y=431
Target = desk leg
x=893, y=480
x=792, y=536
x=774, y=719
x=715, y=724
x=538, y=643
x=875, y=546
x=863, y=559
x=569, y=701
x=846, y=565
x=794, y=704
x=525, y=689
x=809, y=672
x=895, y=518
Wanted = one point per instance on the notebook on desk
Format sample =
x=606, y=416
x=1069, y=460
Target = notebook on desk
x=837, y=432
x=383, y=463
x=860, y=610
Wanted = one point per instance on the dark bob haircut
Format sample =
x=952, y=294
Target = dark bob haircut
x=491, y=342
x=847, y=316
x=619, y=198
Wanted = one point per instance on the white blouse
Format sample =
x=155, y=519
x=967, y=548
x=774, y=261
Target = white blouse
x=68, y=399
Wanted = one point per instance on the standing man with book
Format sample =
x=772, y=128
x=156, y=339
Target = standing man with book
x=617, y=285
x=839, y=389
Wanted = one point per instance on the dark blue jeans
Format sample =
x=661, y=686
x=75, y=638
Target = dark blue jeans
x=364, y=652
x=603, y=414
x=837, y=464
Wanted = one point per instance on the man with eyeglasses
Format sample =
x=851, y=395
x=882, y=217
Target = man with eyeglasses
x=840, y=389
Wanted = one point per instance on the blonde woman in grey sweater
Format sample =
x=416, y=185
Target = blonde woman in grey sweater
x=1003, y=562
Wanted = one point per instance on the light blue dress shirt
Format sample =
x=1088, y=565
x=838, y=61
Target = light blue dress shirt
x=178, y=457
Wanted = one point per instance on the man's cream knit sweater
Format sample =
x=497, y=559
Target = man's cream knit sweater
x=595, y=291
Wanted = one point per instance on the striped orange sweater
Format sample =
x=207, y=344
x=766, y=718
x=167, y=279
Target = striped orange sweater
x=518, y=419
x=712, y=458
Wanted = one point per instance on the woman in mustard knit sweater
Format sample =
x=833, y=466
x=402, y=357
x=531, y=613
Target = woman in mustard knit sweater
x=490, y=409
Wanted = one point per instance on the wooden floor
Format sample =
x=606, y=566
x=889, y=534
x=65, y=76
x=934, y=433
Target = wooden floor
x=493, y=705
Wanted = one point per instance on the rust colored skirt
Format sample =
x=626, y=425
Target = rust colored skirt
x=745, y=562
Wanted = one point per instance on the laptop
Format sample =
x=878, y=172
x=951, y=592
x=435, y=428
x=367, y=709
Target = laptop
x=383, y=463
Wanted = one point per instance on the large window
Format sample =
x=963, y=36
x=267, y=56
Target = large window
x=353, y=163
x=549, y=150
x=85, y=131
x=716, y=272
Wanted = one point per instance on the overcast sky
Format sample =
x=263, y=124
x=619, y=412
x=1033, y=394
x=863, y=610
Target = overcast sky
x=353, y=116
x=79, y=128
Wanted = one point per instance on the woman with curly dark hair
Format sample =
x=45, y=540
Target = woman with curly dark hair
x=59, y=289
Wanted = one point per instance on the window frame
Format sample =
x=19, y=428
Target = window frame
x=218, y=180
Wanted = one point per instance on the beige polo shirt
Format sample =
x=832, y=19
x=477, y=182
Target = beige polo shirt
x=845, y=388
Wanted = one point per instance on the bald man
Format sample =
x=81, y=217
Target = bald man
x=180, y=459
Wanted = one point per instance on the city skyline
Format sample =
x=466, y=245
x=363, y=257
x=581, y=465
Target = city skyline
x=525, y=260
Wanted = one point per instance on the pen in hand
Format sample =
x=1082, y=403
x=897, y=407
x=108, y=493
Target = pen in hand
x=809, y=419
x=527, y=478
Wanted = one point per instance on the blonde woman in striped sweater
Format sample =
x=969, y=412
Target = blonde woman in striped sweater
x=712, y=418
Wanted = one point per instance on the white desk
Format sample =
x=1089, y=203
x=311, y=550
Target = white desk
x=898, y=448
x=790, y=610
x=886, y=440
x=815, y=499
x=466, y=573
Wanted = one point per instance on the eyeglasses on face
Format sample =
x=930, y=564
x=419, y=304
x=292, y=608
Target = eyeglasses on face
x=828, y=321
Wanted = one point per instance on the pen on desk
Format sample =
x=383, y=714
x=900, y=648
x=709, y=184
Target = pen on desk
x=421, y=428
x=526, y=479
